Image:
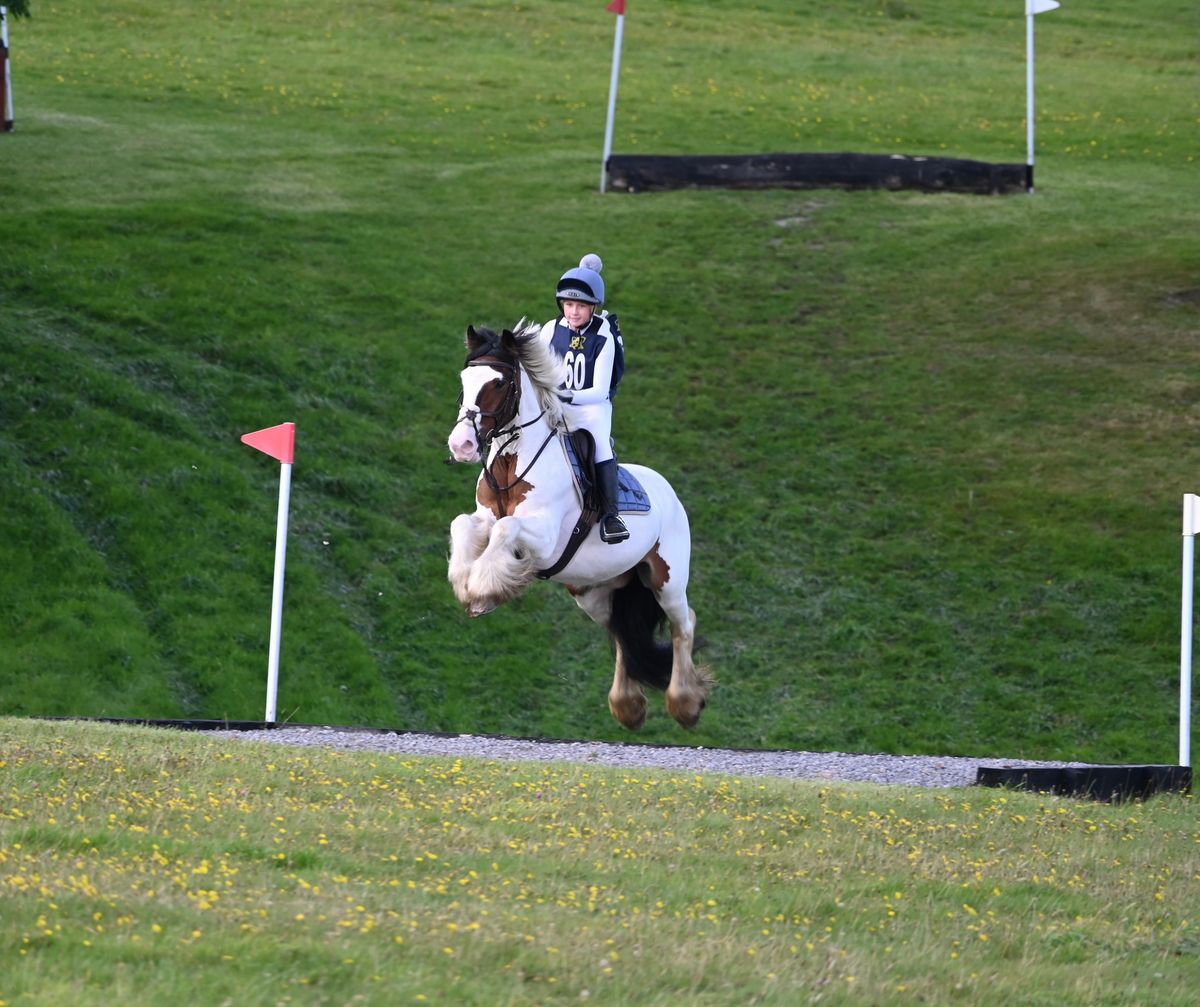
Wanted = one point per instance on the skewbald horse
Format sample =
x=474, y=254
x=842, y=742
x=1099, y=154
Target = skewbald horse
x=527, y=502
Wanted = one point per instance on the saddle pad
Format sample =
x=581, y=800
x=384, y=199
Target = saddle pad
x=631, y=496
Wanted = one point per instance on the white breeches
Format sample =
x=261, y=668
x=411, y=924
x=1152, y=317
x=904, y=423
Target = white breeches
x=596, y=419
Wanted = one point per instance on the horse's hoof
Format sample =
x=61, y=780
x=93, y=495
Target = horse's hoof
x=630, y=716
x=478, y=608
x=686, y=715
x=635, y=723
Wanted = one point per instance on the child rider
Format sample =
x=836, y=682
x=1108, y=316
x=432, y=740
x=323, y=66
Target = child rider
x=593, y=355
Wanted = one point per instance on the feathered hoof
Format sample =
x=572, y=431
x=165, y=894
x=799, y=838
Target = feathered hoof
x=629, y=711
x=685, y=710
x=482, y=606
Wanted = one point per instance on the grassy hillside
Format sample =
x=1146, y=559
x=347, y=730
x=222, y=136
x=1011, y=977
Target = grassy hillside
x=933, y=446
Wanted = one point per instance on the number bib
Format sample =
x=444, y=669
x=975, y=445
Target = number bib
x=579, y=352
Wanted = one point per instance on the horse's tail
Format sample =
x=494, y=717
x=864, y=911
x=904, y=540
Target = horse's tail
x=634, y=622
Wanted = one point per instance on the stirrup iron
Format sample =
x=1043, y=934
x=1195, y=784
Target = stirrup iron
x=612, y=529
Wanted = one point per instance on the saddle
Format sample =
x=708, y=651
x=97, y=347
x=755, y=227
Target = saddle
x=581, y=453
x=632, y=498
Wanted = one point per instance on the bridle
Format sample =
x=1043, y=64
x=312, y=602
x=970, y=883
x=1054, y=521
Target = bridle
x=504, y=413
x=503, y=420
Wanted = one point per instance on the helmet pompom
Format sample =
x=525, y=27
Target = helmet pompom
x=591, y=261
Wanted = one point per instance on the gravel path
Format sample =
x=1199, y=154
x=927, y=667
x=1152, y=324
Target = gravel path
x=906, y=770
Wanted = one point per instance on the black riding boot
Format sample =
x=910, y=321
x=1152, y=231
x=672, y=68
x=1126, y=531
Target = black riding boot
x=612, y=528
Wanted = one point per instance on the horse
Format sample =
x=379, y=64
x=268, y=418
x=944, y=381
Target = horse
x=527, y=509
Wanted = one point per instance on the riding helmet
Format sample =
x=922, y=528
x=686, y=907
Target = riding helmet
x=582, y=284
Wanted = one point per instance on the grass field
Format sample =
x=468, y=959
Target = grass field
x=146, y=867
x=933, y=446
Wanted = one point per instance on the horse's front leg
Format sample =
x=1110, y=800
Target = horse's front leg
x=468, y=539
x=508, y=564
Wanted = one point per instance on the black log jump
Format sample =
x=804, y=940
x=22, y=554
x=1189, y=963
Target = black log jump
x=1110, y=784
x=650, y=173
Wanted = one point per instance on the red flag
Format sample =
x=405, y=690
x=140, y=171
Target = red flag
x=617, y=6
x=278, y=442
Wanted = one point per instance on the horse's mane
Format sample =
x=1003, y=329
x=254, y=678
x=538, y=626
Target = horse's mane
x=539, y=361
x=543, y=367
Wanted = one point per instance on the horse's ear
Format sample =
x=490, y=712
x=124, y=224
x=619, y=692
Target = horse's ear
x=508, y=340
x=474, y=339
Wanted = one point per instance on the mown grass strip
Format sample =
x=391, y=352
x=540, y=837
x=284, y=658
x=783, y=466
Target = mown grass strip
x=149, y=864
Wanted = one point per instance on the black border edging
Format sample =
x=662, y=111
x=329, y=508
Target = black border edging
x=656, y=173
x=181, y=725
x=1110, y=784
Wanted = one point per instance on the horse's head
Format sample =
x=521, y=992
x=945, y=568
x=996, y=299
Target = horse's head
x=491, y=392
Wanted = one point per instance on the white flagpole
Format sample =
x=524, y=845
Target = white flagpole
x=279, y=442
x=1191, y=524
x=612, y=101
x=281, y=528
x=1032, y=7
x=1029, y=99
x=6, y=123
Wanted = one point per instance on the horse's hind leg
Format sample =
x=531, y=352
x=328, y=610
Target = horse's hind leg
x=626, y=700
x=686, y=694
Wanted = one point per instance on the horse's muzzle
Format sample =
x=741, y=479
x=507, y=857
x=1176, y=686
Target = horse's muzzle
x=463, y=457
x=462, y=445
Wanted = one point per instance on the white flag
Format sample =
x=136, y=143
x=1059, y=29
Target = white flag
x=1040, y=6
